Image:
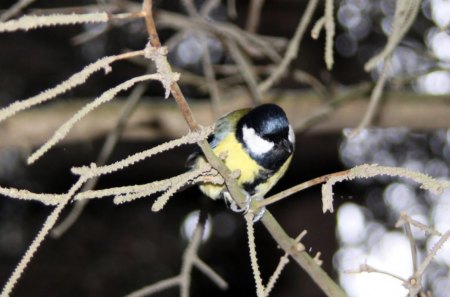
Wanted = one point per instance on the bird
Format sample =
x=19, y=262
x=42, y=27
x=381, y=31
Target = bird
x=258, y=143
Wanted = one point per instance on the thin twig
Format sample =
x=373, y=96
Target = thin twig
x=300, y=187
x=426, y=182
x=72, y=82
x=15, y=9
x=374, y=100
x=211, y=81
x=292, y=50
x=42, y=234
x=231, y=9
x=254, y=15
x=412, y=245
x=260, y=290
x=431, y=255
x=210, y=273
x=406, y=219
x=247, y=71
x=329, y=33
x=104, y=155
x=208, y=6
x=303, y=259
x=370, y=269
x=156, y=287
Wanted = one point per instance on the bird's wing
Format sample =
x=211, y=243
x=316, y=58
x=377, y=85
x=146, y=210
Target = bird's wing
x=224, y=125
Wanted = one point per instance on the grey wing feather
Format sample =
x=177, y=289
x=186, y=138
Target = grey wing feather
x=224, y=125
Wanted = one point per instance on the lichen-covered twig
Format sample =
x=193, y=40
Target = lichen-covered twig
x=47, y=199
x=405, y=13
x=406, y=219
x=414, y=283
x=253, y=258
x=105, y=152
x=426, y=182
x=327, y=22
x=42, y=234
x=193, y=137
x=75, y=80
x=105, y=97
x=29, y=22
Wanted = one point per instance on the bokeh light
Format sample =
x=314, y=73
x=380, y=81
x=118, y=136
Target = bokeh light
x=189, y=224
x=366, y=230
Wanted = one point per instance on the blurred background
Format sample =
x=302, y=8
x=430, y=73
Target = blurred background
x=113, y=250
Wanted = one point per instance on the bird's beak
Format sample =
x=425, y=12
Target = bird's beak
x=287, y=146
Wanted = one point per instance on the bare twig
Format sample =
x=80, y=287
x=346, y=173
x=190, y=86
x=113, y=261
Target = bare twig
x=247, y=71
x=374, y=100
x=300, y=187
x=412, y=245
x=190, y=260
x=370, y=269
x=15, y=9
x=211, y=77
x=406, y=219
x=231, y=8
x=208, y=6
x=254, y=15
x=156, y=287
x=292, y=50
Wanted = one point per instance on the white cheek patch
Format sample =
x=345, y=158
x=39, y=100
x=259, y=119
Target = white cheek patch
x=255, y=143
x=291, y=135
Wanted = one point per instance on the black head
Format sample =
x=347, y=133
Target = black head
x=267, y=136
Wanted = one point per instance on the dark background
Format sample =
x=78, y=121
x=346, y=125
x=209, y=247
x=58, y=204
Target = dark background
x=113, y=250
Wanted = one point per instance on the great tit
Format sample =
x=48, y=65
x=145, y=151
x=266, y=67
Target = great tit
x=258, y=142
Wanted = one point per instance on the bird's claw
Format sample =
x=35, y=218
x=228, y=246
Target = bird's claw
x=234, y=207
x=259, y=214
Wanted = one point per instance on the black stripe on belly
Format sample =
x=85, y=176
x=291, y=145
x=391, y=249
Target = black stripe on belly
x=263, y=176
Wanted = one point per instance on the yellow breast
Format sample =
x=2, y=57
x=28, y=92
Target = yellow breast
x=238, y=159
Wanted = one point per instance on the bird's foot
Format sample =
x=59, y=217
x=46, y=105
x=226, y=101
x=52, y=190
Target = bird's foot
x=233, y=205
x=258, y=214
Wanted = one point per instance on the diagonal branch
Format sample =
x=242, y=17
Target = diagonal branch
x=287, y=243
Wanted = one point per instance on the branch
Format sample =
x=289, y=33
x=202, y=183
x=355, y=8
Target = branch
x=399, y=109
x=32, y=248
x=29, y=22
x=190, y=260
x=75, y=80
x=292, y=50
x=287, y=243
x=367, y=171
